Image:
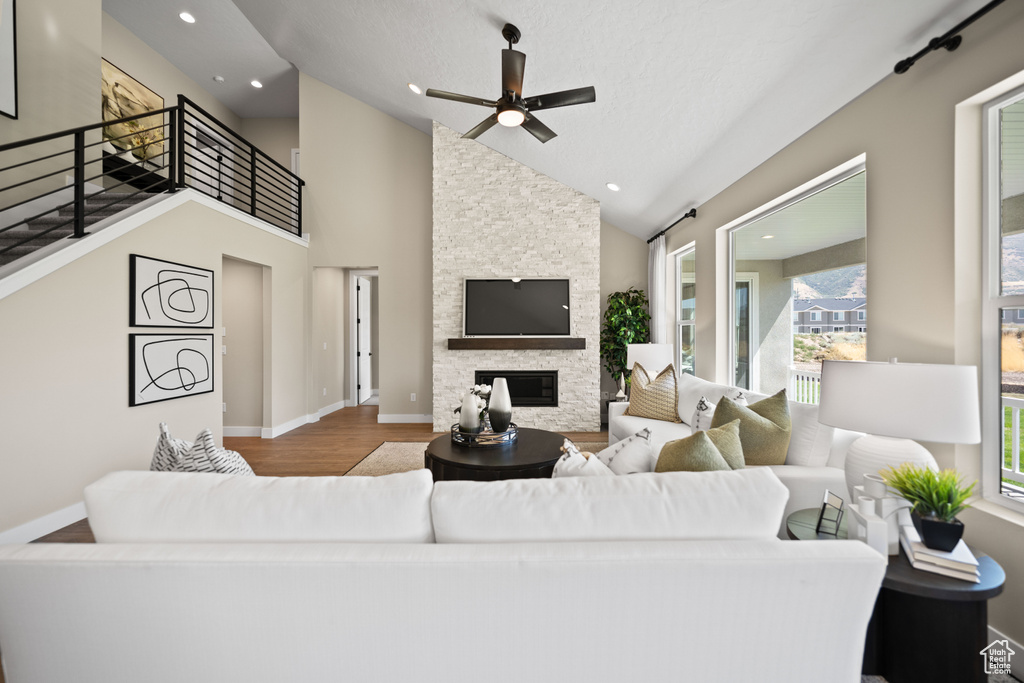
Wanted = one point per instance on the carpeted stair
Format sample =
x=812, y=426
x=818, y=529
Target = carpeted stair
x=118, y=202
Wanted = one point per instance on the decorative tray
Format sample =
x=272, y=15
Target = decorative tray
x=484, y=439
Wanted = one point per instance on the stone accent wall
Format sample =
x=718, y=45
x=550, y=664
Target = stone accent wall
x=493, y=218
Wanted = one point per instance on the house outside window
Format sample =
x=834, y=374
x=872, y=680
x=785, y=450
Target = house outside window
x=1002, y=337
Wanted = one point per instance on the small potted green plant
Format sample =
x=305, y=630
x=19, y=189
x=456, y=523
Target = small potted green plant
x=626, y=321
x=937, y=497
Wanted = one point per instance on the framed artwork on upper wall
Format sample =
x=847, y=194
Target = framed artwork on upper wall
x=8, y=59
x=124, y=96
x=168, y=294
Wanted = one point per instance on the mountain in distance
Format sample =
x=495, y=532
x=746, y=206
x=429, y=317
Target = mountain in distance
x=851, y=282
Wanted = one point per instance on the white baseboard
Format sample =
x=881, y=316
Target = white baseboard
x=46, y=524
x=274, y=432
x=994, y=635
x=243, y=431
x=402, y=419
x=327, y=410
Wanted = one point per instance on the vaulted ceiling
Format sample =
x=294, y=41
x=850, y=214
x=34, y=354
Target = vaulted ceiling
x=691, y=95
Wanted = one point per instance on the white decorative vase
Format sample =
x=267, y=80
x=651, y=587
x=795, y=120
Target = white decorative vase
x=499, y=408
x=469, y=416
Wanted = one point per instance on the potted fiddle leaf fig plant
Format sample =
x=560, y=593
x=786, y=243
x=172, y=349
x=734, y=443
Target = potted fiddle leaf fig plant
x=937, y=498
x=626, y=321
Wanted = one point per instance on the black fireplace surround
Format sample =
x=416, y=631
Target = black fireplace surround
x=528, y=388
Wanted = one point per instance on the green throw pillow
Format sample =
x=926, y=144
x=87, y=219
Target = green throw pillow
x=704, y=451
x=765, y=428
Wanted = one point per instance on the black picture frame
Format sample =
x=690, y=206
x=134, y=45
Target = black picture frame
x=162, y=292
x=165, y=367
x=9, y=59
x=830, y=516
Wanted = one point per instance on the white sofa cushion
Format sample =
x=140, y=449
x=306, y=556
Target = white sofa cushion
x=661, y=432
x=810, y=440
x=574, y=464
x=631, y=455
x=691, y=389
x=177, y=507
x=744, y=504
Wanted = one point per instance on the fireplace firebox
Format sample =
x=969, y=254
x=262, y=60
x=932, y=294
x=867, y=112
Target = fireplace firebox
x=528, y=388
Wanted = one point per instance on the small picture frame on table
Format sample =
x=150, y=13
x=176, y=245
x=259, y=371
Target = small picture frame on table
x=830, y=515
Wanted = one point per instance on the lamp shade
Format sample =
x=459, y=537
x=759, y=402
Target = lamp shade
x=920, y=401
x=654, y=357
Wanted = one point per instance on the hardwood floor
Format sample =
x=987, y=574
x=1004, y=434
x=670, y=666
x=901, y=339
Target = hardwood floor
x=331, y=446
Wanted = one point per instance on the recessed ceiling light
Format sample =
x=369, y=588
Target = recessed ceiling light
x=613, y=187
x=767, y=237
x=219, y=79
x=256, y=84
x=187, y=18
x=415, y=88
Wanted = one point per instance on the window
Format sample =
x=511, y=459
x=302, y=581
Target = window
x=686, y=310
x=1002, y=339
x=815, y=316
x=838, y=315
x=862, y=316
x=815, y=330
x=838, y=329
x=862, y=329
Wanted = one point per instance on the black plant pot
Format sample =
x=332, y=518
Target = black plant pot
x=938, y=534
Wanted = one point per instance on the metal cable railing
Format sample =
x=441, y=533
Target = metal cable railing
x=54, y=186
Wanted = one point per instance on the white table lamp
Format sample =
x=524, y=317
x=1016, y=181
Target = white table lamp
x=894, y=403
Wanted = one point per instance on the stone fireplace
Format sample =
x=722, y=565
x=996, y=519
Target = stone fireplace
x=496, y=218
x=527, y=388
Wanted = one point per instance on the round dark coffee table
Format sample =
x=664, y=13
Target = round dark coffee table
x=532, y=455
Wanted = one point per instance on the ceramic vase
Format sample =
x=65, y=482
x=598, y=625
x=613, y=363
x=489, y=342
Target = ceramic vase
x=469, y=416
x=499, y=408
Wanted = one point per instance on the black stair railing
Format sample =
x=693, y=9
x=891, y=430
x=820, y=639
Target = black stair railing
x=54, y=186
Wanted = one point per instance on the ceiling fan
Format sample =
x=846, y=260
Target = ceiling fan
x=512, y=109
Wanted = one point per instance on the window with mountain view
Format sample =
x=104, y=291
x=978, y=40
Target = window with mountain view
x=800, y=276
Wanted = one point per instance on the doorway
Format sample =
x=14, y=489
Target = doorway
x=242, y=347
x=363, y=286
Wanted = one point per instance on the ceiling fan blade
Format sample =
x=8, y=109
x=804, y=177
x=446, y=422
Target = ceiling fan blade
x=482, y=127
x=513, y=64
x=455, y=97
x=561, y=99
x=537, y=129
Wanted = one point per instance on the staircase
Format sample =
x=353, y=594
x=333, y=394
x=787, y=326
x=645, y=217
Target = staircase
x=61, y=224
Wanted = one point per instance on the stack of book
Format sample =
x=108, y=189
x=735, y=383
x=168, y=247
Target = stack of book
x=958, y=563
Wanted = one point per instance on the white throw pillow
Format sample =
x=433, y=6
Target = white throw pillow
x=206, y=456
x=810, y=441
x=168, y=452
x=180, y=507
x=631, y=455
x=575, y=464
x=706, y=409
x=691, y=389
x=741, y=504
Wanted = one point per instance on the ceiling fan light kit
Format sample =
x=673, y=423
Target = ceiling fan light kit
x=511, y=109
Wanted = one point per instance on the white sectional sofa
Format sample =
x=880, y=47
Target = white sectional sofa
x=816, y=453
x=650, y=577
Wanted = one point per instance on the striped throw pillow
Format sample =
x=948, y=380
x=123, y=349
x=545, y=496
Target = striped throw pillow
x=168, y=452
x=206, y=456
x=657, y=399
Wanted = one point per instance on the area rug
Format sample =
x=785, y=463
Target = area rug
x=393, y=456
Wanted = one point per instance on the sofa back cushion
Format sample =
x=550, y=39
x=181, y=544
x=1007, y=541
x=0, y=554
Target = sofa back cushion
x=744, y=504
x=691, y=389
x=177, y=507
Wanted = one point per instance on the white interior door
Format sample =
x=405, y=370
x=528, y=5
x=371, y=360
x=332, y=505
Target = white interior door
x=364, y=373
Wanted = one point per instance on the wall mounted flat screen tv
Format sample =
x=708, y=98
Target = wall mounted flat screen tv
x=528, y=308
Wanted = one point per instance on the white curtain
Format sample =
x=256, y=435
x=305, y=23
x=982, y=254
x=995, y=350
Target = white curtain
x=656, y=289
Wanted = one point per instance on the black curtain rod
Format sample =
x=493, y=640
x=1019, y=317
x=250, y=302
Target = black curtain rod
x=692, y=213
x=949, y=40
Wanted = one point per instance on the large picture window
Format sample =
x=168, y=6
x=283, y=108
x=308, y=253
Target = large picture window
x=1002, y=325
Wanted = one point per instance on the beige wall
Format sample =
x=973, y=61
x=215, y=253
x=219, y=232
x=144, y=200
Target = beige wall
x=64, y=360
x=59, y=44
x=127, y=52
x=242, y=297
x=623, y=265
x=329, y=297
x=276, y=137
x=905, y=125
x=368, y=204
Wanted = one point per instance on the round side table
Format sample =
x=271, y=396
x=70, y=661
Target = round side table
x=532, y=455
